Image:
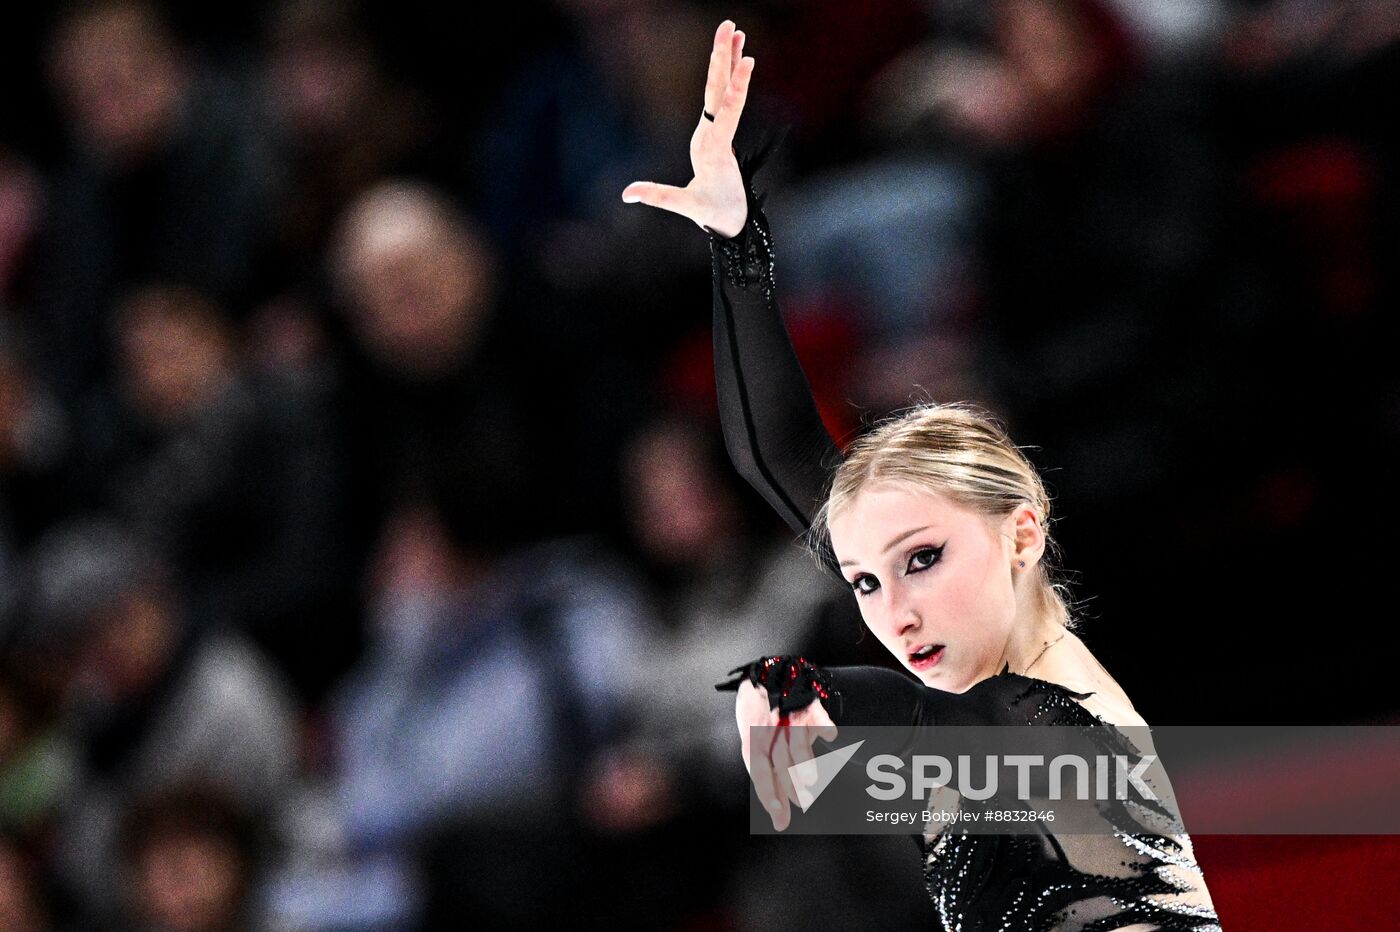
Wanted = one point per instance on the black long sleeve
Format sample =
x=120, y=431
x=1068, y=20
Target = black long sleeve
x=772, y=429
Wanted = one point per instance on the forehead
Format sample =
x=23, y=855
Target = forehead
x=886, y=508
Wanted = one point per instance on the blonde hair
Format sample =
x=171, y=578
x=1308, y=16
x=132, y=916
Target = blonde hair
x=963, y=452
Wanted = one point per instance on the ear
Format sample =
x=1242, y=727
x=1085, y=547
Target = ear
x=1027, y=536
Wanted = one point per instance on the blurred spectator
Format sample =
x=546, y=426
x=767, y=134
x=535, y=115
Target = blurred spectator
x=150, y=702
x=342, y=124
x=887, y=241
x=1103, y=233
x=723, y=590
x=612, y=98
x=898, y=236
x=487, y=682
x=889, y=248
x=820, y=57
x=189, y=863
x=440, y=392
x=36, y=445
x=562, y=133
x=21, y=212
x=38, y=761
x=22, y=905
x=168, y=175
x=1180, y=30
x=235, y=477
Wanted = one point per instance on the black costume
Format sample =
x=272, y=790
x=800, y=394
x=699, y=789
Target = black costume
x=1039, y=881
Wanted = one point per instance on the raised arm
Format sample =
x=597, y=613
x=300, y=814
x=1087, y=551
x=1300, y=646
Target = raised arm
x=772, y=429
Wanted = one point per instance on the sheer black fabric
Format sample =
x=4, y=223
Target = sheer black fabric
x=772, y=429
x=1132, y=879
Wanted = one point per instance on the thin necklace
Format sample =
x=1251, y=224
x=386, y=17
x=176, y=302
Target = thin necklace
x=1042, y=652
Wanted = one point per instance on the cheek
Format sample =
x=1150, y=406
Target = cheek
x=965, y=596
x=870, y=617
x=952, y=591
x=866, y=616
x=988, y=574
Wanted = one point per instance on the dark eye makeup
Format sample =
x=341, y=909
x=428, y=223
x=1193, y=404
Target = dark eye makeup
x=919, y=560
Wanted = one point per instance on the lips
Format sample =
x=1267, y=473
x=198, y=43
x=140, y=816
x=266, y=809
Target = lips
x=926, y=656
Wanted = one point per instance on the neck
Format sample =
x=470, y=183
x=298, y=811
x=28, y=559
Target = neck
x=1030, y=638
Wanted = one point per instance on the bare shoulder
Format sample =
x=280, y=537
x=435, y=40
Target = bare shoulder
x=1113, y=711
x=1078, y=669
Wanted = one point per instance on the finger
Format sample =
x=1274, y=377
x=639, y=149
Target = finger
x=665, y=196
x=721, y=64
x=780, y=787
x=782, y=760
x=761, y=772
x=803, y=772
x=822, y=725
x=732, y=106
x=740, y=713
x=736, y=54
x=745, y=749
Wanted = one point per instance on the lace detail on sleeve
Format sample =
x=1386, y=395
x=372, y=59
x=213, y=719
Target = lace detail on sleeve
x=746, y=261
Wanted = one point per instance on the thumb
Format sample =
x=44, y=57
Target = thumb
x=665, y=196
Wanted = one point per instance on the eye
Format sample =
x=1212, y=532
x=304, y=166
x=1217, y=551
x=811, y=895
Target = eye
x=859, y=584
x=923, y=558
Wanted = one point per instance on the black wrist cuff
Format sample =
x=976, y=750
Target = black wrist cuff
x=792, y=682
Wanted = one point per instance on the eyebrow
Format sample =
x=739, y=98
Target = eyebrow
x=892, y=544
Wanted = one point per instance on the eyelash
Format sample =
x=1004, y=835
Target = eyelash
x=937, y=555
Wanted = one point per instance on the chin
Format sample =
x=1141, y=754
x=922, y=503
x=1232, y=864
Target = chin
x=936, y=678
x=940, y=679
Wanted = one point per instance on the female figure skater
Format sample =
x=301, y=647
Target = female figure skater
x=938, y=523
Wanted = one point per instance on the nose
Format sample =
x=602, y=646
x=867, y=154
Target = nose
x=903, y=613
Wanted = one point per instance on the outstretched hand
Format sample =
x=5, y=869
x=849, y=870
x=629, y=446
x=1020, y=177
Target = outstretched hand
x=715, y=198
x=775, y=762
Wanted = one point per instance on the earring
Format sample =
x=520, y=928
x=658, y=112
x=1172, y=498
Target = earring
x=1023, y=564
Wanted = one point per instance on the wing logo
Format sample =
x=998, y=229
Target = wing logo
x=813, y=776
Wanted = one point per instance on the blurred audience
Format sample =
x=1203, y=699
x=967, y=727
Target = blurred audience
x=367, y=547
x=167, y=175
x=487, y=683
x=233, y=476
x=150, y=699
x=342, y=123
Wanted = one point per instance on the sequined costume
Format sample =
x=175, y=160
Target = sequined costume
x=1132, y=878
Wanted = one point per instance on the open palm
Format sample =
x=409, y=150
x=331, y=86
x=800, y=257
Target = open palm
x=715, y=197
